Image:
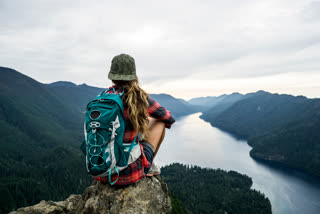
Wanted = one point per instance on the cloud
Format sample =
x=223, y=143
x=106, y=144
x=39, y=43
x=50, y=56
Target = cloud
x=311, y=12
x=54, y=40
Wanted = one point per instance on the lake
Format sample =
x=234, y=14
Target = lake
x=192, y=140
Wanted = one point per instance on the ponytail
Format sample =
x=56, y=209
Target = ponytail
x=135, y=99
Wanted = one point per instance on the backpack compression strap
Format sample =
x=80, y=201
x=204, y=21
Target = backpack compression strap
x=115, y=167
x=117, y=171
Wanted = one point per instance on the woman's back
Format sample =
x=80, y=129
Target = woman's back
x=144, y=117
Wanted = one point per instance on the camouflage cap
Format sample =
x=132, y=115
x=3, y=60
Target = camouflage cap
x=122, y=68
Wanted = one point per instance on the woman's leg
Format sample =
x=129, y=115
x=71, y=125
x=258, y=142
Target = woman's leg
x=157, y=133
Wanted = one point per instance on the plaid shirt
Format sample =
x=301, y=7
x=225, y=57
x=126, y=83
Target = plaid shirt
x=135, y=170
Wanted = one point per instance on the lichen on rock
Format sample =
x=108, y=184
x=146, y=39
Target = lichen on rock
x=149, y=195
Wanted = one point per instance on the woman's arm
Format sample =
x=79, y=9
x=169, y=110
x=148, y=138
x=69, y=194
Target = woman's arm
x=156, y=111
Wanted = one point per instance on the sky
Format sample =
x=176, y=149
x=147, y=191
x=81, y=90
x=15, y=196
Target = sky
x=184, y=48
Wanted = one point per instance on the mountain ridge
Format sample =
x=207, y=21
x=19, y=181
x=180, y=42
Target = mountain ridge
x=280, y=128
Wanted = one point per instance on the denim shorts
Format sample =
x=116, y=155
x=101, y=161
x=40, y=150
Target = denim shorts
x=148, y=151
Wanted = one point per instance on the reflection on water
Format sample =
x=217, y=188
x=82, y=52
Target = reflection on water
x=194, y=141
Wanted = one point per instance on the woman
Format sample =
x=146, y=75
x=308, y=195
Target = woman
x=143, y=115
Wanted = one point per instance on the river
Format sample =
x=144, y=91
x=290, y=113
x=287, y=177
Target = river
x=192, y=140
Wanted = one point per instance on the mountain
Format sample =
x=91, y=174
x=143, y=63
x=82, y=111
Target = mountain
x=280, y=128
x=41, y=129
x=39, y=143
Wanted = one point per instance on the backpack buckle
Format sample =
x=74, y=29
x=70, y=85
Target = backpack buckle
x=94, y=124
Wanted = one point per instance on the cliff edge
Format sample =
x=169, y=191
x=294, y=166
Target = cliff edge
x=149, y=195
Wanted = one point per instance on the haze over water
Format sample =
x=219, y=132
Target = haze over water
x=194, y=141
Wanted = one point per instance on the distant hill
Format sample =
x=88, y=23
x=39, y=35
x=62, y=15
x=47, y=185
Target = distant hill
x=178, y=107
x=281, y=128
x=222, y=101
x=205, y=101
x=41, y=129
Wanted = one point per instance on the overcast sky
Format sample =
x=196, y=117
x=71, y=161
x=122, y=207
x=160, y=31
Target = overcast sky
x=185, y=48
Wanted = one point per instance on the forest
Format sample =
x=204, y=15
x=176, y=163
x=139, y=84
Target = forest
x=205, y=190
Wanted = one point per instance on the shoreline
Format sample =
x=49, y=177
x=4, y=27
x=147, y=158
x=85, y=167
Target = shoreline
x=272, y=163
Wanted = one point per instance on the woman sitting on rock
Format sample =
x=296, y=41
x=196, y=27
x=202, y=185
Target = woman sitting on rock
x=142, y=114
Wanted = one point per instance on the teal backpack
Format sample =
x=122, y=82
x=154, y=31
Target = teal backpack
x=104, y=128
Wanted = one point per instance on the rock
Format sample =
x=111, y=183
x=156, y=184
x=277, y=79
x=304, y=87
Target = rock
x=149, y=195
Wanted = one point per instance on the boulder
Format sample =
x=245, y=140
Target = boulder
x=149, y=195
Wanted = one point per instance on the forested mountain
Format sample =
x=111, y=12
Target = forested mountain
x=204, y=190
x=281, y=128
x=39, y=144
x=41, y=129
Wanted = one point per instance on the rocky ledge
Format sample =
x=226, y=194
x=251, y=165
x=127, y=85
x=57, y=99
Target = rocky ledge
x=149, y=195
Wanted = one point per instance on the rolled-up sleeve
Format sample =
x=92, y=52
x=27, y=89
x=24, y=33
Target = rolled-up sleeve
x=157, y=111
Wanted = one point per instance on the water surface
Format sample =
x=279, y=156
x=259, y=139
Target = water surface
x=194, y=141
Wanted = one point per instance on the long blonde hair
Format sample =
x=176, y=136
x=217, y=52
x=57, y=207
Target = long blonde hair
x=135, y=99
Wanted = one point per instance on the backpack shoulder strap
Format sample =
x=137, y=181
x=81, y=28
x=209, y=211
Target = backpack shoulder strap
x=121, y=94
x=134, y=142
x=114, y=91
x=103, y=92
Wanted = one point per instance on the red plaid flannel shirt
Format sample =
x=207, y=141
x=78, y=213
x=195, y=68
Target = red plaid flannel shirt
x=135, y=170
